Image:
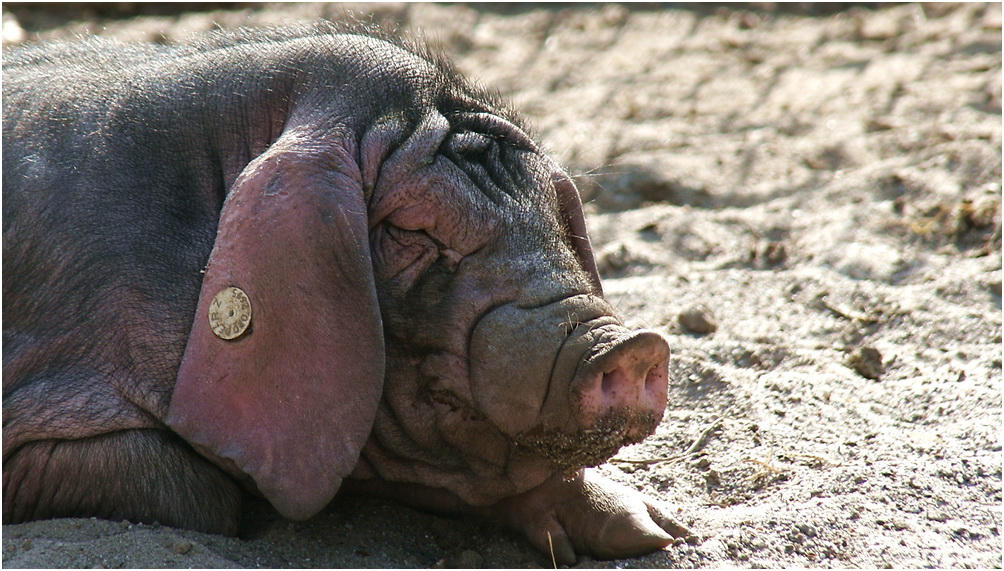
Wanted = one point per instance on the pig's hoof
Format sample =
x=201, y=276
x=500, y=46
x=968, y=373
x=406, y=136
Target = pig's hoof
x=591, y=515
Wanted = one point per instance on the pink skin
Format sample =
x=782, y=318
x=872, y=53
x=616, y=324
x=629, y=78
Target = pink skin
x=629, y=375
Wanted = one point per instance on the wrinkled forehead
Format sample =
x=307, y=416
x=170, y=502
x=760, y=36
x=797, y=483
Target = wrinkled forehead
x=482, y=151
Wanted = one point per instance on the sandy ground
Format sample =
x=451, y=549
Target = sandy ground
x=807, y=203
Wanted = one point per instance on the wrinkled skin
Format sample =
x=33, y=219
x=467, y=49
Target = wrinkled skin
x=427, y=321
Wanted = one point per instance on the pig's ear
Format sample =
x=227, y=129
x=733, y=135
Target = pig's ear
x=285, y=361
x=575, y=224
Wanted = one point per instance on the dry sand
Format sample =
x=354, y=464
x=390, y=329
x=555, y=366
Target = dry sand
x=807, y=203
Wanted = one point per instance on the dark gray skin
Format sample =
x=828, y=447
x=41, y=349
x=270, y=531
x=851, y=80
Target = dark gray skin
x=427, y=323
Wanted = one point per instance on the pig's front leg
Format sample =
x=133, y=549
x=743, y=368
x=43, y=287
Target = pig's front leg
x=589, y=515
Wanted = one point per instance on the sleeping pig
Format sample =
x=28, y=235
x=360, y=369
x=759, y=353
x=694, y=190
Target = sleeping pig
x=271, y=262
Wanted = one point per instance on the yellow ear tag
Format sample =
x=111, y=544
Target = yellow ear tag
x=230, y=313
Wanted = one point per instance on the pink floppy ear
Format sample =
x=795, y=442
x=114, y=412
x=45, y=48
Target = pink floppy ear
x=571, y=215
x=291, y=399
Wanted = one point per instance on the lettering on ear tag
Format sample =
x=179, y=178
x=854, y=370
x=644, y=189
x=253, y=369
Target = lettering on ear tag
x=230, y=313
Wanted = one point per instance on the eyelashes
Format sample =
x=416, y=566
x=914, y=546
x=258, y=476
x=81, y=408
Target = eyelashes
x=469, y=144
x=494, y=127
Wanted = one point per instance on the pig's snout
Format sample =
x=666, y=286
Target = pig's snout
x=629, y=374
x=567, y=380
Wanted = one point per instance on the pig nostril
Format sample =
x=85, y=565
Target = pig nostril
x=609, y=382
x=619, y=379
x=653, y=377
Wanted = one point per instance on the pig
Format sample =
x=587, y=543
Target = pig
x=273, y=262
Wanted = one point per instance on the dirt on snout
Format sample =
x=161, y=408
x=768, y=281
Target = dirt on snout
x=806, y=202
x=590, y=446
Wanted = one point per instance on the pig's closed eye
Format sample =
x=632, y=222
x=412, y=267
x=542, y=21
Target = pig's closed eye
x=402, y=254
x=405, y=255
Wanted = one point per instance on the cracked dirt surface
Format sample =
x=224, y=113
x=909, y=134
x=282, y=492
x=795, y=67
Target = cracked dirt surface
x=807, y=204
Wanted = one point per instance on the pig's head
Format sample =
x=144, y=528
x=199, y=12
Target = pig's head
x=425, y=306
x=504, y=362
